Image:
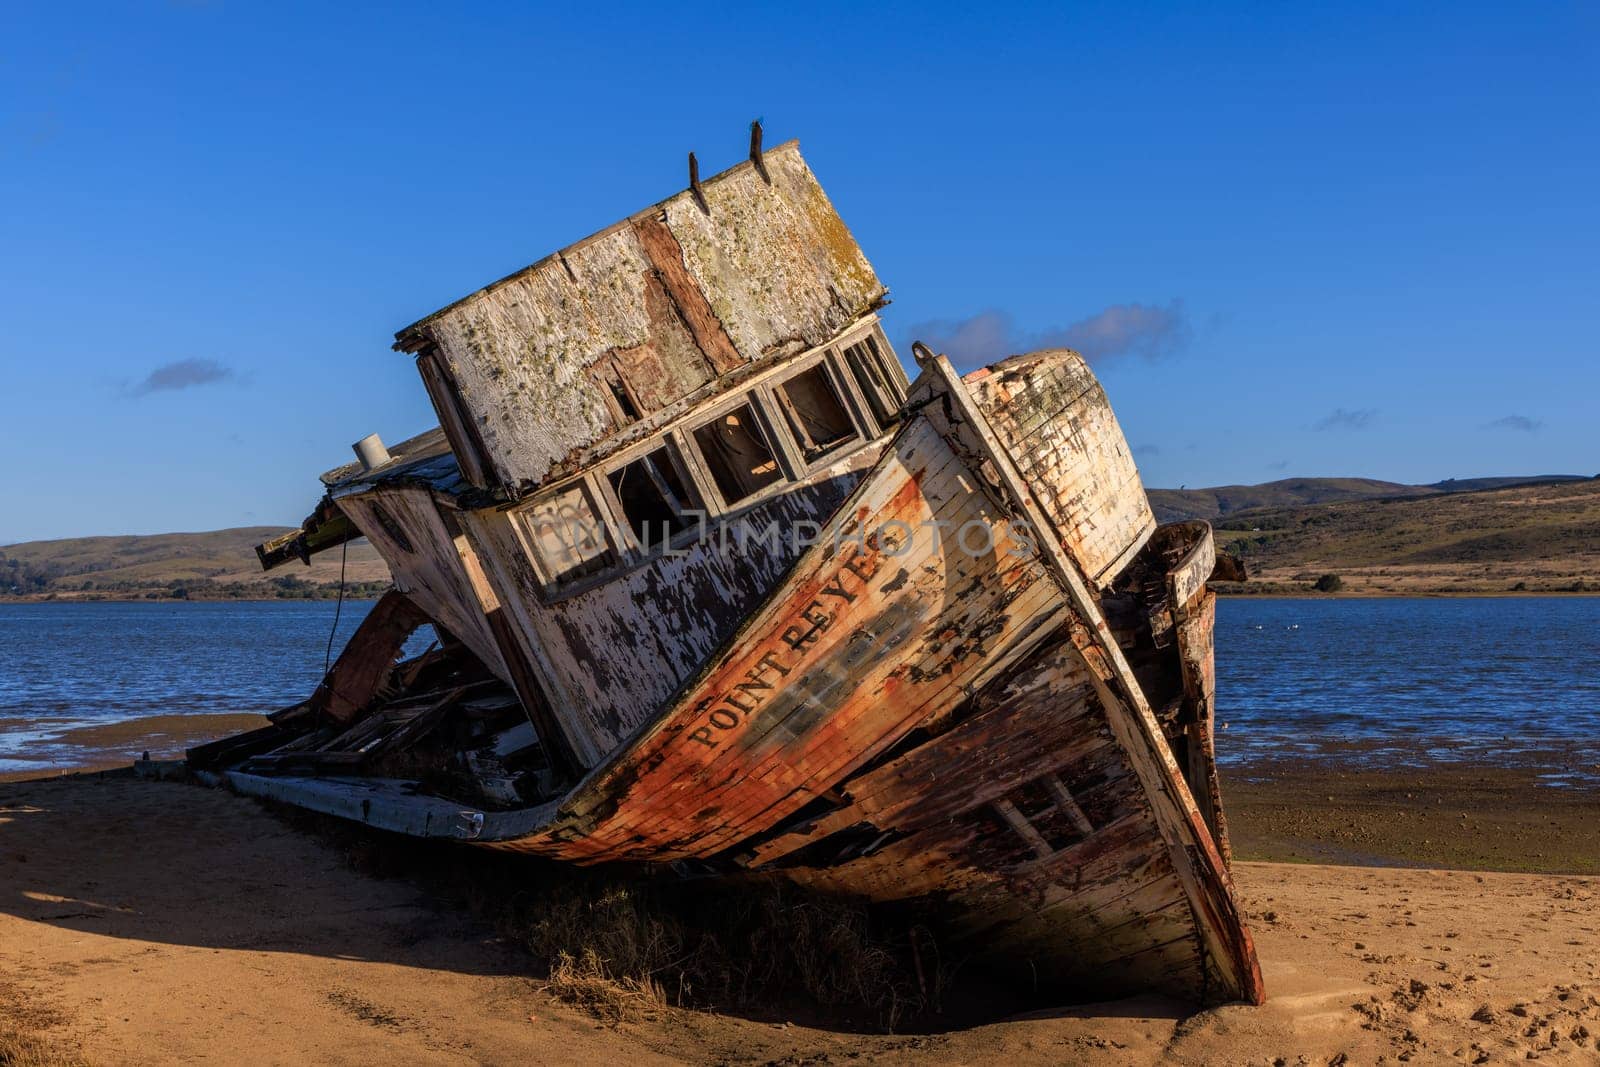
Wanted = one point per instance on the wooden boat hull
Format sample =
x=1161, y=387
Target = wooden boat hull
x=932, y=706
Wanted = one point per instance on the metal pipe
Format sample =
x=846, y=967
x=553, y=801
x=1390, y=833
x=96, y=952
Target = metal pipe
x=370, y=451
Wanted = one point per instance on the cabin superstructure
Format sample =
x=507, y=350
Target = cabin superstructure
x=716, y=582
x=714, y=357
x=531, y=373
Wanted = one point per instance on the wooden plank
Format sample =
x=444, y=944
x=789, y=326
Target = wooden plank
x=379, y=803
x=661, y=246
x=229, y=750
x=465, y=443
x=1080, y=821
x=1196, y=644
x=420, y=724
x=362, y=667
x=326, y=527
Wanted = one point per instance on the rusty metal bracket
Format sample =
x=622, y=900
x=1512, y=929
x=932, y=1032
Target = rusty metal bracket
x=755, y=152
x=694, y=184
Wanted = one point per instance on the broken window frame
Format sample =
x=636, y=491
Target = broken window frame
x=782, y=450
x=678, y=435
x=692, y=508
x=560, y=584
x=895, y=384
x=862, y=429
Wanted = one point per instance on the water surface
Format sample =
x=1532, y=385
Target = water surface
x=67, y=665
x=1409, y=679
x=1390, y=681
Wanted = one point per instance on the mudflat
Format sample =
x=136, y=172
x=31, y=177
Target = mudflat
x=1540, y=816
x=112, y=745
x=144, y=921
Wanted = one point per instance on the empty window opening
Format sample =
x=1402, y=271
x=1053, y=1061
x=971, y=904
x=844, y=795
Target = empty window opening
x=567, y=536
x=737, y=454
x=619, y=398
x=816, y=415
x=877, y=380
x=1051, y=812
x=655, y=496
x=624, y=402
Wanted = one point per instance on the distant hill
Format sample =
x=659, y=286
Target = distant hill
x=1483, y=533
x=1173, y=505
x=1531, y=536
x=219, y=564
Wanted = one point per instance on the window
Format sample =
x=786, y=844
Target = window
x=737, y=454
x=816, y=415
x=656, y=496
x=568, y=538
x=878, y=381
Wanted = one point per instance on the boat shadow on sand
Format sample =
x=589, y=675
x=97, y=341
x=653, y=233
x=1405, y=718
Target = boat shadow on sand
x=150, y=863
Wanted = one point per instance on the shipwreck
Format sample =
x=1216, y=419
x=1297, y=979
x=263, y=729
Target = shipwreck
x=717, y=585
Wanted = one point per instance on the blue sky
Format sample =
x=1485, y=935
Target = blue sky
x=1358, y=241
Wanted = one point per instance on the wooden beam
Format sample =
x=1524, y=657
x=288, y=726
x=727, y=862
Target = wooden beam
x=1069, y=806
x=325, y=528
x=365, y=663
x=1025, y=829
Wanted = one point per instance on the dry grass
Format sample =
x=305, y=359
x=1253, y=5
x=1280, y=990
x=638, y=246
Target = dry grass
x=31, y=1048
x=631, y=943
x=29, y=1031
x=622, y=946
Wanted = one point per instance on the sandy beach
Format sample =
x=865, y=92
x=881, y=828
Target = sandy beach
x=144, y=921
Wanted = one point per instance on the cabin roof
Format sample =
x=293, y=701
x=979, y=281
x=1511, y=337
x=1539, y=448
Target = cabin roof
x=413, y=337
x=425, y=460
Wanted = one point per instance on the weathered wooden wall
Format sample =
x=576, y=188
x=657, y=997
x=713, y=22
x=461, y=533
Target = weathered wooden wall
x=664, y=302
x=613, y=655
x=439, y=571
x=1054, y=419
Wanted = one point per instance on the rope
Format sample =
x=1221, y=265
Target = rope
x=327, y=657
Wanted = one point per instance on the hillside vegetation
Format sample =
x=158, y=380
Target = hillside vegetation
x=1542, y=537
x=1172, y=505
x=1378, y=537
x=219, y=564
